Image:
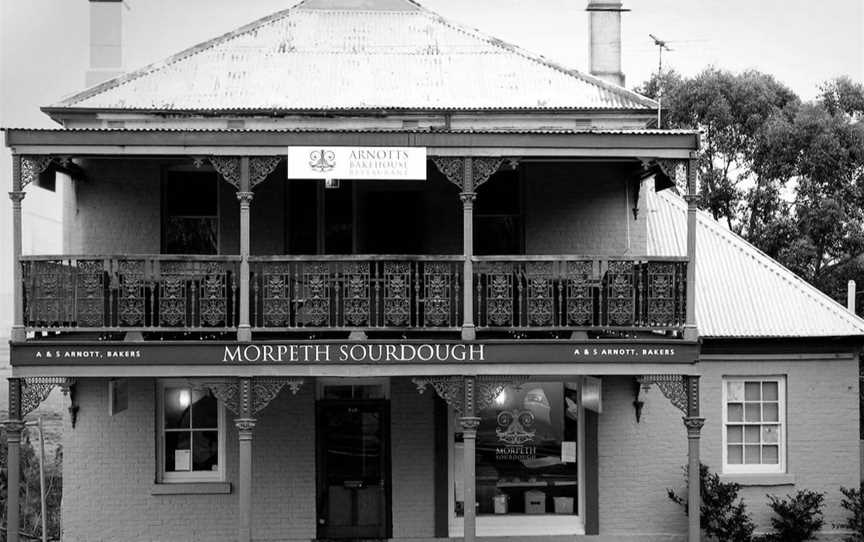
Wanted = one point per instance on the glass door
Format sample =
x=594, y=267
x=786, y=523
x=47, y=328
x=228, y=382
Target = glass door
x=353, y=469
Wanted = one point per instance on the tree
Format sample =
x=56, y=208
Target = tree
x=787, y=176
x=730, y=111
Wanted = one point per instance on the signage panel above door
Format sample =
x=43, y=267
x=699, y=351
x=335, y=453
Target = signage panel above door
x=356, y=163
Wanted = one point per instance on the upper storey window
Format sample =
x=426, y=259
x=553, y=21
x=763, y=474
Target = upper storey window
x=191, y=212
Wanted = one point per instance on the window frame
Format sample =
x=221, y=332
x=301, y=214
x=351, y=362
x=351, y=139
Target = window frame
x=780, y=466
x=168, y=477
x=520, y=524
x=166, y=173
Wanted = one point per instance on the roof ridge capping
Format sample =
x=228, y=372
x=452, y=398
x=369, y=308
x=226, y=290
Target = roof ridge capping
x=767, y=262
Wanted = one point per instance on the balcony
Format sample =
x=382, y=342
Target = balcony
x=201, y=294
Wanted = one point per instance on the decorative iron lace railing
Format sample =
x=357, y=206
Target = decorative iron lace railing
x=289, y=293
x=357, y=292
x=568, y=292
x=148, y=293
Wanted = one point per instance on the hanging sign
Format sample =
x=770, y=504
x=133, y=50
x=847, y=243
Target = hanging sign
x=378, y=163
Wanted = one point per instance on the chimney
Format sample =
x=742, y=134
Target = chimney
x=605, y=36
x=106, y=51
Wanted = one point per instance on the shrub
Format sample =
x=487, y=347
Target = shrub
x=723, y=515
x=797, y=517
x=854, y=502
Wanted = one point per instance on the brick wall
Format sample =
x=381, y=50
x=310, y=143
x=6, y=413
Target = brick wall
x=822, y=429
x=413, y=460
x=581, y=210
x=109, y=471
x=573, y=209
x=638, y=461
x=117, y=209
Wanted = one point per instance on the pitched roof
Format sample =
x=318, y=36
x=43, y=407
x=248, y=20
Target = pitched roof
x=354, y=54
x=740, y=290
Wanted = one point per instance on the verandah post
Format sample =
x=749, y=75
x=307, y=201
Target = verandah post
x=694, y=424
x=244, y=194
x=692, y=197
x=13, y=427
x=469, y=423
x=245, y=423
x=467, y=196
x=17, y=196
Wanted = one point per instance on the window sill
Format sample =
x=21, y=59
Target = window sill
x=755, y=479
x=191, y=488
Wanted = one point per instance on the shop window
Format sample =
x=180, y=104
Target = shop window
x=527, y=458
x=754, y=419
x=191, y=213
x=191, y=434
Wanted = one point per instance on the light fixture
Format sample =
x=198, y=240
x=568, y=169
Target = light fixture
x=637, y=402
x=331, y=183
x=501, y=399
x=185, y=398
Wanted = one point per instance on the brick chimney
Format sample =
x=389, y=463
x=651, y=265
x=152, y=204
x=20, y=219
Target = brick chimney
x=605, y=35
x=106, y=47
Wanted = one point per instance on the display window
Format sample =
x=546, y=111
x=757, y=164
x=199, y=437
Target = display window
x=528, y=457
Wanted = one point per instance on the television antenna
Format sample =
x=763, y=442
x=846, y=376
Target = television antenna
x=661, y=44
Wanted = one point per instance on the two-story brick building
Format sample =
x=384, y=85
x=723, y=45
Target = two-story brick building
x=339, y=272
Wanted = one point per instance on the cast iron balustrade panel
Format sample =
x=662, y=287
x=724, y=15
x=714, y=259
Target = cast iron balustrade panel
x=356, y=292
x=130, y=293
x=290, y=293
x=579, y=293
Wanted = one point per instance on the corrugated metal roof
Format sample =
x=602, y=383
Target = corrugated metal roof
x=354, y=54
x=740, y=290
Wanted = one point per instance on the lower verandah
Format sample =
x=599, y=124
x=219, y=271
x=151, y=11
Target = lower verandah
x=111, y=468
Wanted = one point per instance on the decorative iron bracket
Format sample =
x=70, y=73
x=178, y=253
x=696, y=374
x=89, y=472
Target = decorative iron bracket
x=247, y=396
x=482, y=168
x=675, y=169
x=34, y=391
x=479, y=390
x=681, y=390
x=260, y=167
x=31, y=166
x=671, y=386
x=229, y=167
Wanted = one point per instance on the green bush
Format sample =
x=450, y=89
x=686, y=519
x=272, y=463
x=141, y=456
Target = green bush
x=797, y=517
x=723, y=516
x=854, y=502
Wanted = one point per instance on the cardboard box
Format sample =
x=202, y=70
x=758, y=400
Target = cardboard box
x=563, y=505
x=501, y=503
x=535, y=502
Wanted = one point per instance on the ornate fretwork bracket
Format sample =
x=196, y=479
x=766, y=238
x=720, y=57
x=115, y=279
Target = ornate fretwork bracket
x=260, y=167
x=31, y=166
x=681, y=390
x=482, y=168
x=229, y=167
x=475, y=393
x=246, y=397
x=671, y=386
x=35, y=390
x=675, y=169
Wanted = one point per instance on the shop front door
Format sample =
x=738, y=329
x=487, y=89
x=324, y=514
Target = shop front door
x=353, y=469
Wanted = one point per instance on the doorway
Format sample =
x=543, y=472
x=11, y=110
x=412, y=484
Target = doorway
x=353, y=438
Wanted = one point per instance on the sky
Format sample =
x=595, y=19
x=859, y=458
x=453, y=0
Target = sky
x=44, y=51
